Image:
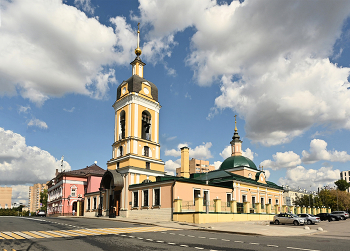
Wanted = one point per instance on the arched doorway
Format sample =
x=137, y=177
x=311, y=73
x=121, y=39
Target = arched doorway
x=74, y=208
x=112, y=182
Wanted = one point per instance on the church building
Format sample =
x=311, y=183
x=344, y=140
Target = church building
x=135, y=184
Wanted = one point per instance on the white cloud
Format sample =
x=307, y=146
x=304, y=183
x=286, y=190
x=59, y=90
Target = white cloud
x=50, y=49
x=201, y=152
x=318, y=151
x=217, y=164
x=20, y=194
x=267, y=174
x=284, y=82
x=69, y=110
x=282, y=160
x=304, y=178
x=37, y=123
x=170, y=166
x=227, y=153
x=85, y=5
x=21, y=164
x=24, y=109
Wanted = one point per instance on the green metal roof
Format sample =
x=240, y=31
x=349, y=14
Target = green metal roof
x=236, y=162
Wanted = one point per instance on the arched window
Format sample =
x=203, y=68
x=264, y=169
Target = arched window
x=146, y=125
x=120, y=151
x=122, y=125
x=146, y=151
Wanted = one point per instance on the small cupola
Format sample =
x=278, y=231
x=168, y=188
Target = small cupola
x=236, y=143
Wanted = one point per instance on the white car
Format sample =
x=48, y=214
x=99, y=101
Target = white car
x=286, y=218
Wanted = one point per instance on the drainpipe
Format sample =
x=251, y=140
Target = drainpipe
x=172, y=200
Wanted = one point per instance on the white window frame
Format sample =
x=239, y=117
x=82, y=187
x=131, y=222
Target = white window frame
x=75, y=191
x=228, y=202
x=153, y=197
x=200, y=192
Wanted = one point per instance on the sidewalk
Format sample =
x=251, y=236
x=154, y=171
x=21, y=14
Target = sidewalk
x=245, y=228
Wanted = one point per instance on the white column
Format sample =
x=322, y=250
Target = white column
x=156, y=126
x=116, y=131
x=129, y=121
x=126, y=191
x=136, y=120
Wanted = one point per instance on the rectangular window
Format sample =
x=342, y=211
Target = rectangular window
x=145, y=198
x=95, y=202
x=276, y=202
x=262, y=203
x=88, y=204
x=156, y=194
x=228, y=199
x=196, y=194
x=146, y=151
x=253, y=201
x=148, y=165
x=206, y=197
x=244, y=198
x=136, y=199
x=73, y=192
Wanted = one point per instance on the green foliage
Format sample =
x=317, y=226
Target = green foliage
x=334, y=199
x=43, y=200
x=342, y=185
x=15, y=212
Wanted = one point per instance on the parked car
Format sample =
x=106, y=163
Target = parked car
x=343, y=214
x=286, y=218
x=41, y=213
x=309, y=218
x=329, y=217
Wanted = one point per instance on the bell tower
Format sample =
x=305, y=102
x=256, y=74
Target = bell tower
x=236, y=142
x=136, y=148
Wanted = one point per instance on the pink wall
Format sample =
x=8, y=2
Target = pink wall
x=93, y=184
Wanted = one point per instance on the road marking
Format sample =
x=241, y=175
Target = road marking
x=202, y=237
x=225, y=240
x=149, y=240
x=274, y=246
x=239, y=241
x=213, y=238
x=172, y=243
x=6, y=236
x=172, y=233
x=181, y=234
x=198, y=248
x=305, y=249
x=190, y=236
x=184, y=246
x=33, y=235
x=254, y=243
x=24, y=235
x=71, y=233
x=160, y=241
x=50, y=233
x=16, y=236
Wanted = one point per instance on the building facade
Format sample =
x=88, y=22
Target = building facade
x=66, y=191
x=290, y=195
x=5, y=197
x=34, y=196
x=197, y=166
x=345, y=175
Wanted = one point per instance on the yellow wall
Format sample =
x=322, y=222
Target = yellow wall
x=209, y=218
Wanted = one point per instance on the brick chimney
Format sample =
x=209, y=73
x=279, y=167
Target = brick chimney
x=185, y=162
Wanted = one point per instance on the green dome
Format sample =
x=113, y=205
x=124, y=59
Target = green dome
x=237, y=161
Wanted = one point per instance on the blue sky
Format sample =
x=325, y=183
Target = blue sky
x=283, y=68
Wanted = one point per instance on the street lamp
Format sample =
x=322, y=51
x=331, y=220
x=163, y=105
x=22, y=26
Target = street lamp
x=100, y=205
x=68, y=198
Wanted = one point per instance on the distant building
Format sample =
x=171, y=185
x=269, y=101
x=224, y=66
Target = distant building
x=5, y=197
x=290, y=195
x=197, y=166
x=345, y=175
x=66, y=191
x=34, y=196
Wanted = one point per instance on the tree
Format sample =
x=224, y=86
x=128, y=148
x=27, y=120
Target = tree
x=43, y=200
x=342, y=185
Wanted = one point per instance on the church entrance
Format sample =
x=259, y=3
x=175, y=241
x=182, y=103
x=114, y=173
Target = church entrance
x=114, y=204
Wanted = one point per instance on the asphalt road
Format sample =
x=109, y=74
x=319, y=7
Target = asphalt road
x=90, y=234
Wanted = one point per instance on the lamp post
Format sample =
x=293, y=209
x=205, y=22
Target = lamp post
x=68, y=198
x=100, y=205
